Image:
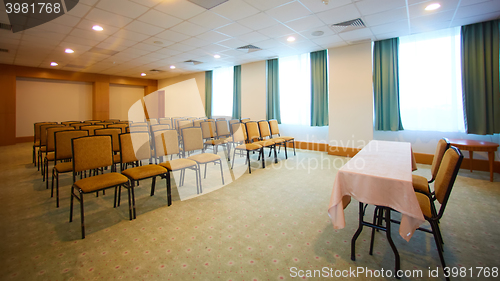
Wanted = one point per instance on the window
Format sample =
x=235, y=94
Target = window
x=222, y=96
x=430, y=81
x=295, y=89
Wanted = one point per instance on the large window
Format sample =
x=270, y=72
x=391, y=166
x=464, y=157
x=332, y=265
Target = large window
x=430, y=86
x=222, y=96
x=295, y=89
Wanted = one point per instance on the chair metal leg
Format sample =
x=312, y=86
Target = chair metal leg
x=263, y=160
x=439, y=246
x=199, y=177
x=71, y=203
x=52, y=186
x=205, y=171
x=286, y=154
x=81, y=214
x=169, y=188
x=221, y=173
x=294, y=154
x=47, y=175
x=234, y=154
x=57, y=189
x=129, y=202
x=153, y=186
x=275, y=154
x=116, y=191
x=248, y=160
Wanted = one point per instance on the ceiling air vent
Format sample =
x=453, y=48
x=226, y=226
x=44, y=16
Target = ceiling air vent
x=4, y=50
x=193, y=62
x=5, y=26
x=207, y=4
x=249, y=48
x=348, y=25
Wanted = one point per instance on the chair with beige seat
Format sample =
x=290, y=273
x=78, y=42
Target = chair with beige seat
x=62, y=152
x=422, y=184
x=209, y=133
x=91, y=153
x=114, y=133
x=43, y=142
x=49, y=151
x=165, y=121
x=275, y=130
x=193, y=141
x=253, y=136
x=92, y=121
x=122, y=126
x=91, y=128
x=238, y=133
x=136, y=147
x=265, y=134
x=167, y=144
x=36, y=138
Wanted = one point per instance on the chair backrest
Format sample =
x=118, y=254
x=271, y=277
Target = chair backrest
x=232, y=121
x=143, y=128
x=210, y=120
x=112, y=121
x=264, y=129
x=122, y=126
x=36, y=128
x=446, y=176
x=238, y=132
x=158, y=127
x=192, y=118
x=91, y=152
x=253, y=133
x=68, y=123
x=192, y=139
x=91, y=128
x=222, y=128
x=62, y=141
x=208, y=129
x=275, y=130
x=153, y=121
x=43, y=132
x=77, y=126
x=50, y=142
x=221, y=118
x=165, y=120
x=181, y=124
x=114, y=133
x=244, y=120
x=197, y=123
x=135, y=124
x=105, y=124
x=134, y=147
x=166, y=142
x=442, y=146
x=92, y=121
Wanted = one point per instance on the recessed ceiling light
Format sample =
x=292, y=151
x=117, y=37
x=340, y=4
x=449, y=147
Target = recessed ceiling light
x=143, y=74
x=69, y=51
x=172, y=67
x=290, y=39
x=217, y=56
x=53, y=63
x=433, y=6
x=97, y=28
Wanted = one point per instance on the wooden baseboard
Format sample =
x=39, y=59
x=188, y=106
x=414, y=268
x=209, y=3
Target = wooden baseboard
x=24, y=139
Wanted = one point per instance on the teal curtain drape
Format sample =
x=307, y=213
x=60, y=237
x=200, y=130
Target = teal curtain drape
x=237, y=92
x=273, y=91
x=319, y=88
x=208, y=93
x=480, y=77
x=386, y=85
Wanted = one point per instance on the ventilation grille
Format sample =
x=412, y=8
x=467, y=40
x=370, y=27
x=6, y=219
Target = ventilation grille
x=5, y=26
x=4, y=50
x=193, y=62
x=207, y=4
x=348, y=25
x=249, y=48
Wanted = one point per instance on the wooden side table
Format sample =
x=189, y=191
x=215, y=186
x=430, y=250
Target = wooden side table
x=473, y=145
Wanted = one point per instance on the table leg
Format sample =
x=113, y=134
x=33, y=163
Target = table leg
x=471, y=153
x=491, y=157
x=358, y=232
x=389, y=238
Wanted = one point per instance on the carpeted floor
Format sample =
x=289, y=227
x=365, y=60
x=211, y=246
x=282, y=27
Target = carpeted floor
x=267, y=225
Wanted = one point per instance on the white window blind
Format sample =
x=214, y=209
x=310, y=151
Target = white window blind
x=222, y=95
x=430, y=86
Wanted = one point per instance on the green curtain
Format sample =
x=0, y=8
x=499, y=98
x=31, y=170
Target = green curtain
x=208, y=93
x=386, y=85
x=319, y=88
x=273, y=91
x=480, y=77
x=237, y=92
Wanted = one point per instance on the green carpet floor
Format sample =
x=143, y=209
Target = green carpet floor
x=267, y=225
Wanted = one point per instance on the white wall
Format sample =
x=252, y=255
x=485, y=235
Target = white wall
x=351, y=96
x=39, y=100
x=253, y=90
x=121, y=98
x=182, y=99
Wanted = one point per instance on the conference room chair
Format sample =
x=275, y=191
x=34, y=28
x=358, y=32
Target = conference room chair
x=222, y=129
x=422, y=184
x=135, y=124
x=36, y=138
x=275, y=130
x=77, y=126
x=105, y=124
x=220, y=119
x=233, y=121
x=167, y=144
x=92, y=153
x=193, y=141
x=135, y=147
x=49, y=151
x=160, y=127
x=191, y=118
x=63, y=152
x=238, y=135
x=152, y=121
x=114, y=133
x=197, y=122
x=122, y=126
x=209, y=134
x=140, y=128
x=443, y=184
x=91, y=128
x=68, y=123
x=112, y=121
x=165, y=121
x=244, y=120
x=265, y=134
x=43, y=142
x=92, y=121
x=253, y=136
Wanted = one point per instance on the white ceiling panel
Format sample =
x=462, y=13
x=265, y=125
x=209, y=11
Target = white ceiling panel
x=180, y=8
x=276, y=31
x=356, y=35
x=258, y=21
x=130, y=35
x=418, y=10
x=233, y=30
x=87, y=25
x=232, y=43
x=66, y=20
x=327, y=31
x=399, y=26
x=386, y=17
x=81, y=41
x=195, y=42
x=475, y=19
x=79, y=10
x=235, y=10
x=88, y=34
x=269, y=44
x=253, y=37
x=214, y=48
x=210, y=20
x=368, y=7
x=145, y=28
x=147, y=47
x=166, y=52
x=159, y=42
x=305, y=23
x=327, y=40
x=148, y=3
x=124, y=8
x=181, y=47
x=341, y=14
x=317, y=6
x=213, y=36
x=105, y=17
x=172, y=36
x=159, y=19
x=188, y=28
x=478, y=9
x=288, y=12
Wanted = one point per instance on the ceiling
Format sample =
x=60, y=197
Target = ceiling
x=141, y=35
